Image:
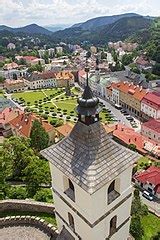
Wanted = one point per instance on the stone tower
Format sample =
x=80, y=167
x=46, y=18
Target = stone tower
x=91, y=178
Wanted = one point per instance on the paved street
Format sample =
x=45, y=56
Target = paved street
x=117, y=113
x=152, y=205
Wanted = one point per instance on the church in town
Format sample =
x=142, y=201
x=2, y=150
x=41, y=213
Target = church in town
x=91, y=178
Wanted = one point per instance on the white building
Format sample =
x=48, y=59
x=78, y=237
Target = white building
x=59, y=50
x=150, y=105
x=91, y=179
x=11, y=46
x=115, y=96
x=42, y=80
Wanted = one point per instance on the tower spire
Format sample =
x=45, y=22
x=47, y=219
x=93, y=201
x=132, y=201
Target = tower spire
x=88, y=106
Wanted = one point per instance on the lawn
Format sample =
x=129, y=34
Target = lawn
x=151, y=225
x=142, y=161
x=62, y=102
x=46, y=216
x=67, y=104
x=30, y=96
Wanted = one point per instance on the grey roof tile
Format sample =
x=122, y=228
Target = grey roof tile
x=89, y=157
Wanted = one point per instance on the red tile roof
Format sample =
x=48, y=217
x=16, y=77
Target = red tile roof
x=8, y=114
x=129, y=136
x=23, y=124
x=65, y=129
x=128, y=88
x=29, y=58
x=153, y=97
x=151, y=175
x=153, y=124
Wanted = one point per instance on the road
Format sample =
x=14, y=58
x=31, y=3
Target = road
x=117, y=113
x=152, y=205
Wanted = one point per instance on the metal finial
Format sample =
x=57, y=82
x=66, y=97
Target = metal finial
x=87, y=71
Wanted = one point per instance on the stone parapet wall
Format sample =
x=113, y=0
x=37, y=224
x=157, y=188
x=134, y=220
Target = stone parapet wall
x=26, y=205
x=32, y=221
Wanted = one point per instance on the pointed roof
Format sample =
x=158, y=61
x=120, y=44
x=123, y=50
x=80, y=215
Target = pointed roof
x=89, y=157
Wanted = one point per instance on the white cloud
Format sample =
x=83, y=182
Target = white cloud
x=21, y=12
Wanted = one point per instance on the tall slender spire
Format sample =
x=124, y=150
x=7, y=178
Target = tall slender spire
x=88, y=106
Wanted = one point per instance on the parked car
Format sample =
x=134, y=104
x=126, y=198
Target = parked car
x=125, y=114
x=130, y=118
x=123, y=111
x=147, y=195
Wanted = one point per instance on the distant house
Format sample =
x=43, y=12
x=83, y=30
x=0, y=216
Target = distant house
x=149, y=180
x=11, y=46
x=150, y=105
x=151, y=129
x=22, y=125
x=10, y=66
x=18, y=85
x=63, y=131
x=63, y=77
x=6, y=115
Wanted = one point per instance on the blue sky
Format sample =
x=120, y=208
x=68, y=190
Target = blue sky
x=45, y=12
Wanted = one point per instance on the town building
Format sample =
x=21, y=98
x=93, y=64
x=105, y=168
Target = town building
x=151, y=129
x=10, y=66
x=93, y=49
x=22, y=125
x=6, y=115
x=18, y=85
x=42, y=80
x=11, y=46
x=89, y=169
x=129, y=96
x=149, y=180
x=59, y=50
x=63, y=78
x=150, y=105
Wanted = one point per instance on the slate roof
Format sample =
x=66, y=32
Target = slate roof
x=89, y=157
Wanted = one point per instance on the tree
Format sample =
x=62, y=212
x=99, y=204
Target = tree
x=132, y=147
x=16, y=154
x=127, y=59
x=36, y=173
x=39, y=137
x=44, y=195
x=136, y=228
x=156, y=69
x=2, y=79
x=156, y=237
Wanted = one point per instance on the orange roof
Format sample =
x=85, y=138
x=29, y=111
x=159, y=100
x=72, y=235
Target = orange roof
x=65, y=129
x=9, y=114
x=65, y=75
x=23, y=123
x=136, y=91
x=110, y=127
x=129, y=136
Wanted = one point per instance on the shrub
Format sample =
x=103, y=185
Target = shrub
x=46, y=112
x=58, y=109
x=40, y=110
x=51, y=107
x=45, y=116
x=54, y=114
x=17, y=192
x=43, y=195
x=64, y=110
x=68, y=117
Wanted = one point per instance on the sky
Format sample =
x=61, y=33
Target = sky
x=16, y=13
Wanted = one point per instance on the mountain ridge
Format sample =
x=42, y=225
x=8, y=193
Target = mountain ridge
x=30, y=29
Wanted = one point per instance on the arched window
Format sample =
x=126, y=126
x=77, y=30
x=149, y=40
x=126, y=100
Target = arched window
x=113, y=190
x=71, y=220
x=113, y=224
x=69, y=189
x=71, y=186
